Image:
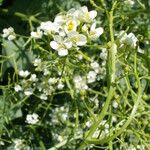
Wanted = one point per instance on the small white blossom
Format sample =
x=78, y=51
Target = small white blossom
x=96, y=133
x=60, y=86
x=95, y=66
x=37, y=62
x=43, y=96
x=85, y=15
x=19, y=144
x=49, y=27
x=46, y=72
x=71, y=25
x=77, y=39
x=95, y=32
x=61, y=45
x=37, y=35
x=115, y=104
x=18, y=88
x=129, y=2
x=91, y=76
x=128, y=39
x=9, y=33
x=28, y=91
x=33, y=78
x=32, y=118
x=103, y=54
x=52, y=80
x=80, y=83
x=88, y=124
x=24, y=73
x=131, y=40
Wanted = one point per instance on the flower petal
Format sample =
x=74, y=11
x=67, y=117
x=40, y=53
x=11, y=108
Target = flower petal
x=62, y=52
x=54, y=45
x=82, y=40
x=93, y=14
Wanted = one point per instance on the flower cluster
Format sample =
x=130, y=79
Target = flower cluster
x=127, y=39
x=32, y=118
x=70, y=30
x=9, y=33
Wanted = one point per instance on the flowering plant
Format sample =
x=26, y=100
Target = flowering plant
x=82, y=81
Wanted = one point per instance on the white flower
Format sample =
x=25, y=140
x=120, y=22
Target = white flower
x=61, y=45
x=91, y=76
x=11, y=37
x=24, y=73
x=131, y=40
x=19, y=144
x=71, y=25
x=60, y=86
x=33, y=78
x=32, y=118
x=49, y=27
x=129, y=2
x=86, y=15
x=52, y=80
x=60, y=19
x=28, y=91
x=37, y=35
x=43, y=96
x=9, y=33
x=37, y=62
x=80, y=83
x=128, y=39
x=96, y=133
x=46, y=72
x=95, y=32
x=18, y=88
x=115, y=104
x=103, y=54
x=85, y=28
x=95, y=66
x=78, y=39
x=122, y=36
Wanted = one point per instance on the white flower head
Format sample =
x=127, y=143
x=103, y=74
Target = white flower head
x=95, y=32
x=32, y=118
x=78, y=39
x=43, y=97
x=95, y=66
x=24, y=74
x=60, y=19
x=122, y=36
x=49, y=27
x=80, y=83
x=61, y=45
x=37, y=35
x=37, y=62
x=91, y=76
x=115, y=104
x=33, y=78
x=71, y=25
x=103, y=54
x=28, y=91
x=129, y=2
x=131, y=40
x=18, y=88
x=9, y=33
x=52, y=81
x=60, y=86
x=19, y=144
x=86, y=15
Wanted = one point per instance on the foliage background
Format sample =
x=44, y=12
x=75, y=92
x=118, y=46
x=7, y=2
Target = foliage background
x=22, y=14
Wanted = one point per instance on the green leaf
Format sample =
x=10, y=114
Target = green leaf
x=17, y=56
